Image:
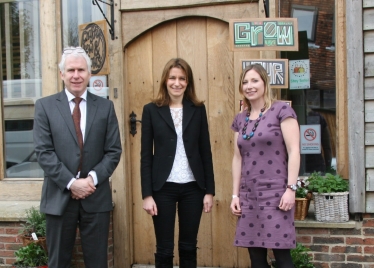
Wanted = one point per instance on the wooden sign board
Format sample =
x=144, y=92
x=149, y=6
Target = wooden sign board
x=277, y=70
x=277, y=34
x=93, y=38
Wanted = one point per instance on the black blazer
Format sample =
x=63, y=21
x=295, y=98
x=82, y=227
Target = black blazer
x=159, y=143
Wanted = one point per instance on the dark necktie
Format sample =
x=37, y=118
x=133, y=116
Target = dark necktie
x=77, y=125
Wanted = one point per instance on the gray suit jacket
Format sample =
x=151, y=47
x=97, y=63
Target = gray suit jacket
x=58, y=153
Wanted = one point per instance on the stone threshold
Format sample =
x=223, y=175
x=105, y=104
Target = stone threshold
x=152, y=266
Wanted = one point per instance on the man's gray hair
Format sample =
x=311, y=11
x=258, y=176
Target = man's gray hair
x=75, y=52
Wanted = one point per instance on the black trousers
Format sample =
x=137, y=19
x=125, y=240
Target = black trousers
x=259, y=258
x=61, y=233
x=187, y=199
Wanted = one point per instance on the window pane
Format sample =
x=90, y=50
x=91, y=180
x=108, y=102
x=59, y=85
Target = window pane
x=76, y=12
x=21, y=59
x=315, y=105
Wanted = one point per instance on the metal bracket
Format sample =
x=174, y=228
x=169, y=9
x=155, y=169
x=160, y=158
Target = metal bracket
x=266, y=7
x=111, y=24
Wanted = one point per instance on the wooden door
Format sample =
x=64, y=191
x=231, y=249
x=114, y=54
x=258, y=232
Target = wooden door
x=203, y=43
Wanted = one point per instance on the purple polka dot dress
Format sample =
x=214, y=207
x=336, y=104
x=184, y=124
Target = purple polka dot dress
x=263, y=182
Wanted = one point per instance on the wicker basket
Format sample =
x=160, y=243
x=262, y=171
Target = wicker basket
x=301, y=208
x=331, y=207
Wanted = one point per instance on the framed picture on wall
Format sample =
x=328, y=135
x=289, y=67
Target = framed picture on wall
x=306, y=19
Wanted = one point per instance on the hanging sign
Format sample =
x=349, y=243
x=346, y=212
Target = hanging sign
x=93, y=39
x=279, y=34
x=310, y=139
x=277, y=70
x=299, y=74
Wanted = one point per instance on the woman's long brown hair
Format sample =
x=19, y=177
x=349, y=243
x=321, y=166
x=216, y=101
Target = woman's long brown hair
x=163, y=98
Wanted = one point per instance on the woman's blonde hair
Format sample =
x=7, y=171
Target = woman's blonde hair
x=268, y=93
x=163, y=98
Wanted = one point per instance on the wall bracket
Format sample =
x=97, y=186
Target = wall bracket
x=111, y=23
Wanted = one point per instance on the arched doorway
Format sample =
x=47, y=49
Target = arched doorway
x=203, y=42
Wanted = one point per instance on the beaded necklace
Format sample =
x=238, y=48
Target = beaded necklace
x=244, y=131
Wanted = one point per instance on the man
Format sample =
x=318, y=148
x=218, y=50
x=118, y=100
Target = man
x=78, y=146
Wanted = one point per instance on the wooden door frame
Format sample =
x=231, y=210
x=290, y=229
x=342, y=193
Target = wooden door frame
x=123, y=255
x=144, y=20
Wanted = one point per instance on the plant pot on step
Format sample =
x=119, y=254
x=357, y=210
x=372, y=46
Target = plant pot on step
x=32, y=255
x=42, y=241
x=301, y=208
x=35, y=224
x=330, y=194
x=331, y=207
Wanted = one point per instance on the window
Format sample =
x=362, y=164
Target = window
x=314, y=104
x=21, y=61
x=75, y=13
x=307, y=19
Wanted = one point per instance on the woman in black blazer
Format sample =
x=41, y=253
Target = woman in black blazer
x=176, y=164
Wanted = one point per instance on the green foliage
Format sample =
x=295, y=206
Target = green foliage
x=300, y=257
x=301, y=192
x=31, y=255
x=331, y=170
x=327, y=184
x=35, y=223
x=302, y=187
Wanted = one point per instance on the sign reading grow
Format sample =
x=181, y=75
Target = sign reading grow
x=264, y=34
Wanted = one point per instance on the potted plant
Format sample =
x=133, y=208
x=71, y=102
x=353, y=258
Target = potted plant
x=34, y=229
x=330, y=194
x=300, y=257
x=32, y=255
x=302, y=200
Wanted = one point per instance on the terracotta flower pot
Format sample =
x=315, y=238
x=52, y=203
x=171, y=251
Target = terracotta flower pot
x=42, y=241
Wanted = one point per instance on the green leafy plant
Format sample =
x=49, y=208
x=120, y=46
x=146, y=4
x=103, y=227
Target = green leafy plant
x=301, y=192
x=35, y=223
x=31, y=255
x=300, y=257
x=302, y=187
x=331, y=170
x=327, y=184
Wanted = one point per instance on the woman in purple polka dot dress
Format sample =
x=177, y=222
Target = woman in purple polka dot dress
x=265, y=168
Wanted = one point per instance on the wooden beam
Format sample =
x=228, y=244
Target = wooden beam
x=142, y=5
x=135, y=23
x=355, y=97
x=368, y=3
x=48, y=37
x=2, y=130
x=341, y=90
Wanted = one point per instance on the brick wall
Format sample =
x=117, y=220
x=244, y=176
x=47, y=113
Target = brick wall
x=330, y=248
x=341, y=248
x=10, y=242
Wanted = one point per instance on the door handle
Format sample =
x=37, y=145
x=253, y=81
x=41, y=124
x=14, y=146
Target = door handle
x=133, y=123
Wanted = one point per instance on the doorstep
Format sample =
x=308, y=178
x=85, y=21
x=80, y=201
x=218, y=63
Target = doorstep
x=152, y=266
x=311, y=222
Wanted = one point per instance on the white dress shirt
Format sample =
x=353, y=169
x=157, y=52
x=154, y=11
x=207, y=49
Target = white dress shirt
x=83, y=109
